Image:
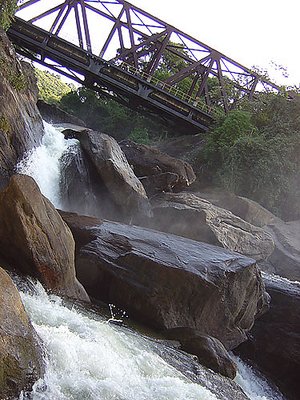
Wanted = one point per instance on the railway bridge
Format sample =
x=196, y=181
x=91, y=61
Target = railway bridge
x=121, y=51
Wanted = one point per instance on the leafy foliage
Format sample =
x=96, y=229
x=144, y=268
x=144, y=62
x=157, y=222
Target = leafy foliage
x=51, y=87
x=256, y=153
x=7, y=10
x=106, y=115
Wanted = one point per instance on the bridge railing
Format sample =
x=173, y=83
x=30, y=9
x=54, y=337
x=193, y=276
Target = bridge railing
x=175, y=91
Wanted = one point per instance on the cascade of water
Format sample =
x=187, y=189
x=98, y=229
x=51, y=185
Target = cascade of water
x=91, y=359
x=88, y=358
x=254, y=385
x=43, y=163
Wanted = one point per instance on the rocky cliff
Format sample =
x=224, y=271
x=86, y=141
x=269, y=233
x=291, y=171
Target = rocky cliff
x=21, y=125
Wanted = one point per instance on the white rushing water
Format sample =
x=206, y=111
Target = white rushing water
x=91, y=359
x=253, y=384
x=43, y=163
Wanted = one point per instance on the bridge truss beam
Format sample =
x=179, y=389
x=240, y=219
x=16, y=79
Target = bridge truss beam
x=127, y=37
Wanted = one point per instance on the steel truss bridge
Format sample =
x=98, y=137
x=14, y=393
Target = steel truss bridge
x=119, y=50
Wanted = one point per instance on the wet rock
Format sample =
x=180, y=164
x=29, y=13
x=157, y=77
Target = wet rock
x=81, y=189
x=111, y=165
x=209, y=350
x=21, y=126
x=35, y=240
x=187, y=215
x=222, y=387
x=55, y=115
x=274, y=341
x=21, y=362
x=285, y=260
x=168, y=281
x=148, y=162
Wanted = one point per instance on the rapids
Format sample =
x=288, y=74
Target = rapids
x=88, y=358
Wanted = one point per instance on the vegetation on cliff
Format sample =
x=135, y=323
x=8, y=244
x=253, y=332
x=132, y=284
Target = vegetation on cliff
x=254, y=152
x=7, y=10
x=51, y=87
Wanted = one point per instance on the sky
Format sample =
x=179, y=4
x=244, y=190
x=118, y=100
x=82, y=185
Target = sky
x=253, y=32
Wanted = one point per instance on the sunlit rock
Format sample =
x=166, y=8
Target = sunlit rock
x=187, y=215
x=112, y=167
x=35, y=240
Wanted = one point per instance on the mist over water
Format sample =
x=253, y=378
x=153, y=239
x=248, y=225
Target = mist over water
x=43, y=163
x=87, y=358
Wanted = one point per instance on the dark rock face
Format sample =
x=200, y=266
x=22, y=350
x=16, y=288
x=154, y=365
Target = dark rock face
x=150, y=162
x=183, y=147
x=274, y=341
x=285, y=260
x=54, y=115
x=187, y=215
x=21, y=126
x=223, y=388
x=111, y=165
x=35, y=240
x=82, y=190
x=167, y=281
x=209, y=350
x=21, y=361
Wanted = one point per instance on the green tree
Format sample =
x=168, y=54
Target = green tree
x=51, y=87
x=255, y=152
x=7, y=11
x=107, y=115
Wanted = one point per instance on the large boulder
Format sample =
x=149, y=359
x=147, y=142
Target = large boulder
x=209, y=350
x=112, y=167
x=274, y=341
x=21, y=126
x=21, y=362
x=150, y=162
x=35, y=240
x=285, y=260
x=167, y=281
x=187, y=215
x=81, y=190
x=247, y=209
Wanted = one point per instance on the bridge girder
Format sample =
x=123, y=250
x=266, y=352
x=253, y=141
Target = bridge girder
x=123, y=34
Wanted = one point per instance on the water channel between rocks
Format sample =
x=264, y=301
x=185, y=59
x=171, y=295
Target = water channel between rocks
x=88, y=358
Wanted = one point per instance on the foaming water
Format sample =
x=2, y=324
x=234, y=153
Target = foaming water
x=43, y=163
x=253, y=384
x=87, y=358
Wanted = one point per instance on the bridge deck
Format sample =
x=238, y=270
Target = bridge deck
x=139, y=91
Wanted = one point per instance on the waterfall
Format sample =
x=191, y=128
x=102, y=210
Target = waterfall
x=88, y=358
x=43, y=163
x=254, y=384
x=85, y=356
